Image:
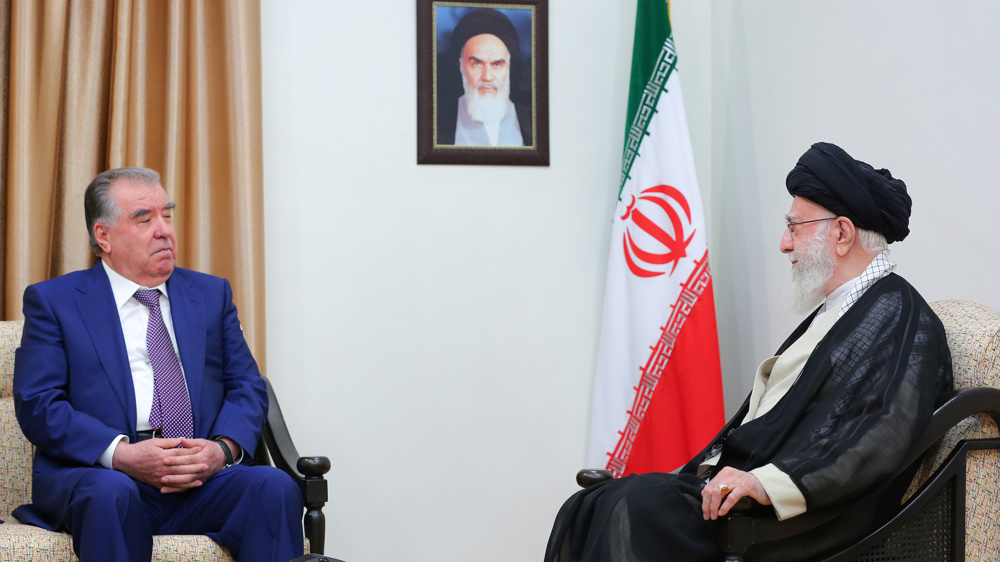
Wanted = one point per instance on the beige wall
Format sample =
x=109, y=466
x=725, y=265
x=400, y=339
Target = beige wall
x=432, y=329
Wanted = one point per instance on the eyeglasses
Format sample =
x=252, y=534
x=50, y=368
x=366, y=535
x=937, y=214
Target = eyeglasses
x=791, y=230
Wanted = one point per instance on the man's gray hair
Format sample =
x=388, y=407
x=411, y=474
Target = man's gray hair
x=871, y=241
x=98, y=204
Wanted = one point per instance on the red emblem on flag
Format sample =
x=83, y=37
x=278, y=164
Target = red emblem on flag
x=661, y=231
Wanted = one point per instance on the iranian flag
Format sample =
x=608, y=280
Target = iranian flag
x=658, y=390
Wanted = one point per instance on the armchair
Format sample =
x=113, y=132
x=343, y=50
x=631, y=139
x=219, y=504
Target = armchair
x=25, y=543
x=950, y=510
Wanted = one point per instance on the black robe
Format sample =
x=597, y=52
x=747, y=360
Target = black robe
x=841, y=433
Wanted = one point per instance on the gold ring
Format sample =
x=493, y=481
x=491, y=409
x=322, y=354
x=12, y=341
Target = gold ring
x=724, y=489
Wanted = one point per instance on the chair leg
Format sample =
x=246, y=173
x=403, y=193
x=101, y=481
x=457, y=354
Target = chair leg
x=314, y=525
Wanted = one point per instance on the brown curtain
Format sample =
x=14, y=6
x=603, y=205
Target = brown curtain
x=172, y=85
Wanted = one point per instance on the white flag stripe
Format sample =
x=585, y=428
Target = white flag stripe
x=658, y=246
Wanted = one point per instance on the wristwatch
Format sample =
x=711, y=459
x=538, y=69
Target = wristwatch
x=225, y=451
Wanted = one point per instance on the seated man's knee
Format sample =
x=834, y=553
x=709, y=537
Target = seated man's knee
x=275, y=483
x=105, y=489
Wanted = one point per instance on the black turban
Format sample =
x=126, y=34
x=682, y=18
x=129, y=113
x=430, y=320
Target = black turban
x=872, y=199
x=486, y=20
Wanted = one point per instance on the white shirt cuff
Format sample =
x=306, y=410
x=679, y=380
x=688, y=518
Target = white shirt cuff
x=109, y=454
x=786, y=498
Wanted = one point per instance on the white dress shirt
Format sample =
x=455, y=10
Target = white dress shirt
x=134, y=317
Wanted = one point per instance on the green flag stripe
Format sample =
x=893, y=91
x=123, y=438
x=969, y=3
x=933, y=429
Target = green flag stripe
x=652, y=28
x=645, y=103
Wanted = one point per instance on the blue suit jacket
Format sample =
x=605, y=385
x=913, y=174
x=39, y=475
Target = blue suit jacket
x=73, y=391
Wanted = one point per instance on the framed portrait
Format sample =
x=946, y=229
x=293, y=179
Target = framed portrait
x=482, y=82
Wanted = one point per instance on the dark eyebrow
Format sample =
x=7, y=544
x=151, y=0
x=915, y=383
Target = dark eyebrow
x=143, y=212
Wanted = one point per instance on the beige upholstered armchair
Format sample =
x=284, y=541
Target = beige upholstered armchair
x=24, y=543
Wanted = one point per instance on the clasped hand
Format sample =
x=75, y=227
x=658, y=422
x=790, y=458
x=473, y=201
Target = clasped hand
x=729, y=485
x=172, y=465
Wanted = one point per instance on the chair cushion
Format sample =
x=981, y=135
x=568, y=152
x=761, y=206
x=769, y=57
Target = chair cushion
x=25, y=543
x=16, y=452
x=973, y=332
x=10, y=339
x=15, y=461
x=982, y=511
x=184, y=548
x=974, y=340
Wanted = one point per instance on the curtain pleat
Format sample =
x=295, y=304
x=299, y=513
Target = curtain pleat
x=4, y=96
x=170, y=85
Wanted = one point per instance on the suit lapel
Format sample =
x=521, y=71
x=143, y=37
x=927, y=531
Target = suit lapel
x=188, y=316
x=96, y=304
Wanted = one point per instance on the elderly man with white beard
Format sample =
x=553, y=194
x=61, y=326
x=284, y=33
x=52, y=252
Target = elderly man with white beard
x=831, y=417
x=485, y=114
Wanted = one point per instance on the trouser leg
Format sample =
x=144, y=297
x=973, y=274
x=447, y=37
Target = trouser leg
x=107, y=519
x=254, y=511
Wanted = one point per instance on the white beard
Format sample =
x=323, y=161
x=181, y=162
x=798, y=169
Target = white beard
x=816, y=265
x=487, y=108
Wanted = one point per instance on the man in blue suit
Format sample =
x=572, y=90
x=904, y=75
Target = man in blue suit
x=114, y=442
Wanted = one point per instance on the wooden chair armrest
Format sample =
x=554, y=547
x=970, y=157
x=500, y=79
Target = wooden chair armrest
x=308, y=472
x=959, y=405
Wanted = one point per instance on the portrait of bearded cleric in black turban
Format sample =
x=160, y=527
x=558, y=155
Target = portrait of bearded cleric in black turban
x=482, y=94
x=483, y=77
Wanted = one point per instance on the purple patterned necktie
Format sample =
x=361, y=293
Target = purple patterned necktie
x=171, y=403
